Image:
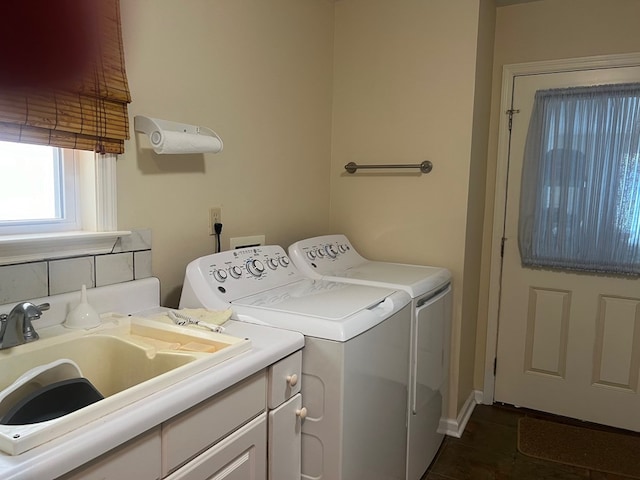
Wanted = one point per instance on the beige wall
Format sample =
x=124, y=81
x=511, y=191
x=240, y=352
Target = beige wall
x=475, y=202
x=297, y=89
x=259, y=74
x=547, y=30
x=404, y=91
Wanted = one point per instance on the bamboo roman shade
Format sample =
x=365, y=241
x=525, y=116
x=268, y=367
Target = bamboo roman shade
x=84, y=108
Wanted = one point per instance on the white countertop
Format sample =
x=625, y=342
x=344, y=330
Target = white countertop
x=63, y=454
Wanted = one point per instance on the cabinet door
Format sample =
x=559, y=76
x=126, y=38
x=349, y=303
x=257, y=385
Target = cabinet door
x=285, y=426
x=240, y=456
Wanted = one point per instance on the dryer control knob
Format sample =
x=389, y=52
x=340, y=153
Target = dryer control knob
x=220, y=275
x=235, y=271
x=302, y=413
x=255, y=267
x=273, y=263
x=332, y=251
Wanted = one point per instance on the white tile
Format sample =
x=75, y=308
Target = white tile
x=70, y=274
x=114, y=268
x=138, y=240
x=23, y=282
x=142, y=264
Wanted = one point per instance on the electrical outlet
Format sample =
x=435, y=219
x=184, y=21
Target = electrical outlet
x=215, y=216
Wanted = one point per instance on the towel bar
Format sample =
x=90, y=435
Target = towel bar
x=425, y=167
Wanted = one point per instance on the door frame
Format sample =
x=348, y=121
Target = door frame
x=509, y=72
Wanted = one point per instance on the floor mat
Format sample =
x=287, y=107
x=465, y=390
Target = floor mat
x=605, y=451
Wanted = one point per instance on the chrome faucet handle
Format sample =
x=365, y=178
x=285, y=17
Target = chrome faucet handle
x=31, y=312
x=43, y=306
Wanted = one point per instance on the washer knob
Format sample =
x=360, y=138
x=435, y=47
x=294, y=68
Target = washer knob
x=273, y=263
x=332, y=251
x=321, y=253
x=311, y=255
x=284, y=261
x=235, y=271
x=255, y=267
x=220, y=275
x=342, y=248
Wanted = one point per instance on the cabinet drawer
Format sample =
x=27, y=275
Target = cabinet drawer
x=285, y=378
x=138, y=458
x=240, y=456
x=189, y=433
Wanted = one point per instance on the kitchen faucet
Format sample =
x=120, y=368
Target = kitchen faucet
x=16, y=328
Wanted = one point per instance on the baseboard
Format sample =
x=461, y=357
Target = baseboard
x=455, y=427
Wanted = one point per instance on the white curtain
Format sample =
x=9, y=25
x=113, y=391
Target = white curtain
x=580, y=192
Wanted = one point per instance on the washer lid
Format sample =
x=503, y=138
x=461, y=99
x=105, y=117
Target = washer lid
x=317, y=298
x=317, y=308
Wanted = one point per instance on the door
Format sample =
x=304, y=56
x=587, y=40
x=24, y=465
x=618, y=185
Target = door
x=568, y=343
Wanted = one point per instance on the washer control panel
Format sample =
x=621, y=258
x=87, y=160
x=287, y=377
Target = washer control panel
x=237, y=273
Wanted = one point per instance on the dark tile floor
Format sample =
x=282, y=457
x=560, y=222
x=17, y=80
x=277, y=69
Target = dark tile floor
x=488, y=450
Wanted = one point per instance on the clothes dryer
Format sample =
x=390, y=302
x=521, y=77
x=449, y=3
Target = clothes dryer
x=354, y=363
x=333, y=258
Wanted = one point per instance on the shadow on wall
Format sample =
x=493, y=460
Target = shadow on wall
x=173, y=298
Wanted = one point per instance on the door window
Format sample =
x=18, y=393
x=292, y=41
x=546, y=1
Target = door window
x=580, y=195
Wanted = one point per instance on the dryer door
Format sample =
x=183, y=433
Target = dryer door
x=429, y=361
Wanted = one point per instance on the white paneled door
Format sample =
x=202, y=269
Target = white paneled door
x=568, y=343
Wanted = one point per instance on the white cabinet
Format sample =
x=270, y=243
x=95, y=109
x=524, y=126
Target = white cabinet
x=240, y=456
x=243, y=454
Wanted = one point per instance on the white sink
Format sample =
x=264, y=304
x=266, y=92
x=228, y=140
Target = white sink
x=126, y=359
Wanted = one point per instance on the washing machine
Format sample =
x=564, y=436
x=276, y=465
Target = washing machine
x=332, y=257
x=354, y=362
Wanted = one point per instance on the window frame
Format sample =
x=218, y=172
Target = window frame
x=99, y=233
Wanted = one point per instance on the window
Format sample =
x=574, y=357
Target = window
x=580, y=196
x=90, y=188
x=39, y=192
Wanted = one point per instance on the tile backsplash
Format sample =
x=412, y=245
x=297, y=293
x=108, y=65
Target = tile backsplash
x=129, y=260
